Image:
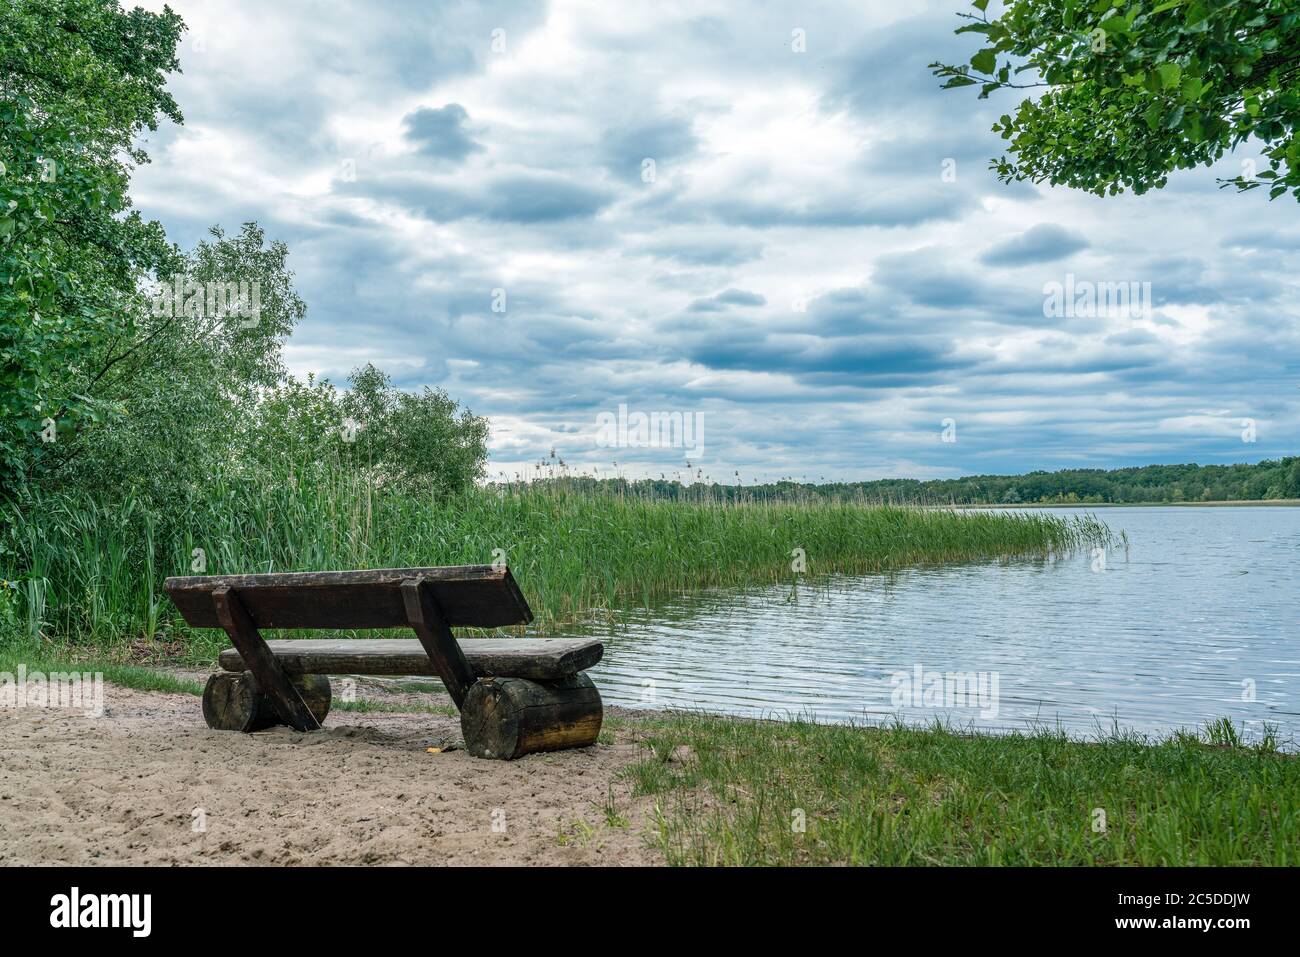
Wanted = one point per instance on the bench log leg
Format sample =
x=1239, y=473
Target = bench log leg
x=271, y=679
x=232, y=701
x=435, y=636
x=509, y=717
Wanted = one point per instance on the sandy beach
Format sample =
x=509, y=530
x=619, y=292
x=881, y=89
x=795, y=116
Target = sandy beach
x=149, y=783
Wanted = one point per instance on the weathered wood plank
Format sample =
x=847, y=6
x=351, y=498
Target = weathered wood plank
x=480, y=596
x=539, y=659
x=434, y=634
x=271, y=679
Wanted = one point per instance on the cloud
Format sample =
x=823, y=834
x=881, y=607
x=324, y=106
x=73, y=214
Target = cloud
x=1043, y=243
x=840, y=211
x=722, y=251
x=441, y=132
x=729, y=297
x=530, y=197
x=660, y=140
x=822, y=262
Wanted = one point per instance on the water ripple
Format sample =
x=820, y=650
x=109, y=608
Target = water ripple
x=1198, y=621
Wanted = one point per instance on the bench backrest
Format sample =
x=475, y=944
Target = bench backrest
x=479, y=596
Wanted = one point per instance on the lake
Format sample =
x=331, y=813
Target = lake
x=1196, y=620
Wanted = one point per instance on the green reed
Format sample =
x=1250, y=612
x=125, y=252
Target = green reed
x=88, y=571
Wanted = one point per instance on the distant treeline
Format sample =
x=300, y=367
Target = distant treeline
x=1148, y=483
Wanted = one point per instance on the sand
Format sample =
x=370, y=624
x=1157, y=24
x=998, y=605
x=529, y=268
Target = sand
x=149, y=783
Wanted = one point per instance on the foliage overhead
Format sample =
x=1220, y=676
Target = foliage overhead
x=1133, y=91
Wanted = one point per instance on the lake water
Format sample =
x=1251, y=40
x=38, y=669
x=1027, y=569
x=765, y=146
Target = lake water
x=1197, y=620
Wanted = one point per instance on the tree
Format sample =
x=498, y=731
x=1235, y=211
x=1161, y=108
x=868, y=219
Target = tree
x=1135, y=90
x=79, y=79
x=424, y=442
x=183, y=378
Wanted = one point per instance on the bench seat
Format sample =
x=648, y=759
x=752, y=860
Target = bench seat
x=538, y=659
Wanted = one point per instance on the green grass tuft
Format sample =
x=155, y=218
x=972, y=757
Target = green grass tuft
x=898, y=795
x=127, y=676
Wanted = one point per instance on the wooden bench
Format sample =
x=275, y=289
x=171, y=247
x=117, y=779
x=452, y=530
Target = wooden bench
x=515, y=696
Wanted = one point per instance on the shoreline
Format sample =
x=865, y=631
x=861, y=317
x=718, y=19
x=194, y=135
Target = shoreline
x=387, y=781
x=1243, y=503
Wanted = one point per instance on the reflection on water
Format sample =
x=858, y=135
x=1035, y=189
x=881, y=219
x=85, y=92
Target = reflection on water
x=1198, y=620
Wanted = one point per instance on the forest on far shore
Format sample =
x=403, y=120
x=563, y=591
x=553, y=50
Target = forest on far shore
x=1267, y=480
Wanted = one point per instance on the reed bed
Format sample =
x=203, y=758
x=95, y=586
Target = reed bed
x=78, y=570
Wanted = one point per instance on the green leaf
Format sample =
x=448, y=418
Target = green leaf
x=986, y=61
x=1170, y=75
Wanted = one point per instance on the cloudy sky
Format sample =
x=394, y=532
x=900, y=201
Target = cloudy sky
x=765, y=214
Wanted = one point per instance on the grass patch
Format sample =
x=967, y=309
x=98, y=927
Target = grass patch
x=127, y=676
x=370, y=706
x=769, y=793
x=417, y=686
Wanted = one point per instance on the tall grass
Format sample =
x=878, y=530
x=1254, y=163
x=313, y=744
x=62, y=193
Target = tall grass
x=82, y=570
